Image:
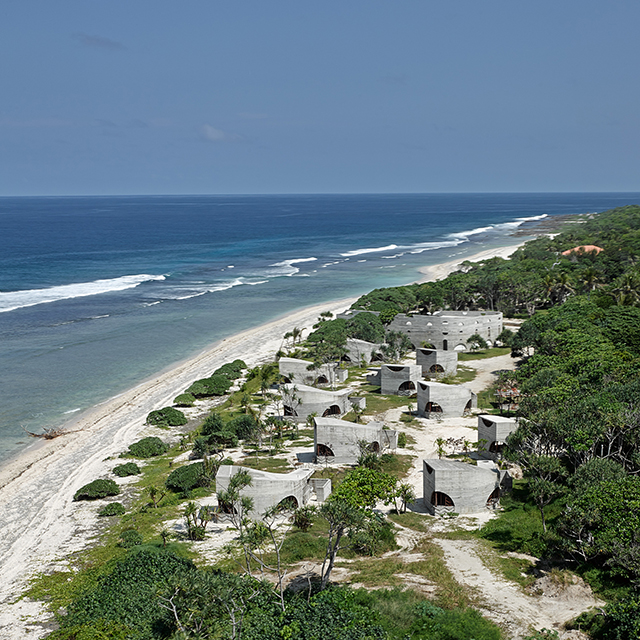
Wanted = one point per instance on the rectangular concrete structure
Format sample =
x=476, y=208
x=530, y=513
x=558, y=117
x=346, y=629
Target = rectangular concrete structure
x=361, y=351
x=337, y=440
x=399, y=379
x=448, y=330
x=269, y=489
x=454, y=486
x=436, y=399
x=297, y=371
x=436, y=363
x=300, y=401
x=495, y=430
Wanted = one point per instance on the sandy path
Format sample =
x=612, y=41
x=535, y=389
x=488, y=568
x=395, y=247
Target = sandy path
x=505, y=603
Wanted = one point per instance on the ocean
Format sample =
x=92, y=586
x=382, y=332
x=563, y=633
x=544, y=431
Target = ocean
x=100, y=293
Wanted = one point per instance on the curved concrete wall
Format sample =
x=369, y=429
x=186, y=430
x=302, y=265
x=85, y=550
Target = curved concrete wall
x=298, y=372
x=468, y=487
x=495, y=429
x=359, y=350
x=433, y=360
x=453, y=400
x=301, y=401
x=342, y=438
x=400, y=380
x=449, y=330
x=268, y=489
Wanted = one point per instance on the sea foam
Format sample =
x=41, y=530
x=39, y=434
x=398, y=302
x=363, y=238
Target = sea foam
x=11, y=300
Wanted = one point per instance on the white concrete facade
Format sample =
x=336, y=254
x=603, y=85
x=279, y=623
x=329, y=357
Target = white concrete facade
x=449, y=330
x=436, y=399
x=400, y=379
x=301, y=401
x=435, y=362
x=359, y=351
x=337, y=440
x=297, y=371
x=454, y=486
x=495, y=430
x=269, y=489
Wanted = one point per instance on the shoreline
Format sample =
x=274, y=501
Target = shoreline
x=42, y=524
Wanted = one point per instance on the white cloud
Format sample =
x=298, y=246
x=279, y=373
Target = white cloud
x=211, y=134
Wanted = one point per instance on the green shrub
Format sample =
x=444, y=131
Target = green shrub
x=243, y=426
x=130, y=538
x=127, y=469
x=433, y=623
x=97, y=489
x=112, y=509
x=212, y=423
x=185, y=478
x=148, y=447
x=216, y=385
x=167, y=417
x=98, y=630
x=128, y=595
x=402, y=439
x=184, y=400
x=231, y=370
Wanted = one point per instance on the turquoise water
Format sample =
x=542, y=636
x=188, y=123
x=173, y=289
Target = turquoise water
x=97, y=294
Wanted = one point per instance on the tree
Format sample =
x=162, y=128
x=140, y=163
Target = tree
x=477, y=342
x=397, y=346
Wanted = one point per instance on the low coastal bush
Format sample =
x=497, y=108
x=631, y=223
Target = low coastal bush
x=185, y=478
x=127, y=469
x=184, y=400
x=167, y=417
x=97, y=489
x=211, y=424
x=148, y=447
x=233, y=370
x=402, y=439
x=112, y=509
x=216, y=385
x=243, y=426
x=130, y=538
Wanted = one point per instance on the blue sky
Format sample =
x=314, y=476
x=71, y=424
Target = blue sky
x=205, y=96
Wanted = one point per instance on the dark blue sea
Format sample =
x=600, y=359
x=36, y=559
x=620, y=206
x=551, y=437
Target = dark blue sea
x=99, y=293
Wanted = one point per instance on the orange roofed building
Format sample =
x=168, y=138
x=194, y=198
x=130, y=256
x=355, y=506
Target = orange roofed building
x=583, y=248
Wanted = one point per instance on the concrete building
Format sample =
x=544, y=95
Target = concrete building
x=359, y=351
x=269, y=489
x=337, y=441
x=438, y=363
x=494, y=430
x=399, y=379
x=436, y=399
x=454, y=486
x=449, y=330
x=297, y=371
x=300, y=401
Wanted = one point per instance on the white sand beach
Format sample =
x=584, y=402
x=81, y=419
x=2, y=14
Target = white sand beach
x=39, y=522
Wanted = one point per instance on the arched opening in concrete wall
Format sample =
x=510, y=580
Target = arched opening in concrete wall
x=494, y=498
x=322, y=380
x=290, y=503
x=396, y=369
x=286, y=379
x=433, y=407
x=467, y=407
x=460, y=347
x=345, y=358
x=407, y=388
x=377, y=357
x=445, y=345
x=436, y=368
x=486, y=423
x=289, y=411
x=496, y=447
x=374, y=447
x=333, y=410
x=324, y=452
x=439, y=499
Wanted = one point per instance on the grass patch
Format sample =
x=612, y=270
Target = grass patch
x=375, y=572
x=396, y=464
x=483, y=354
x=380, y=404
x=411, y=520
x=266, y=463
x=464, y=374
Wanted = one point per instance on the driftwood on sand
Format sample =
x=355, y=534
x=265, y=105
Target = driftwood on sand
x=50, y=433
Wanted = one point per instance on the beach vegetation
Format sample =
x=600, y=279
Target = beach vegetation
x=185, y=478
x=148, y=447
x=130, y=538
x=126, y=469
x=232, y=370
x=184, y=400
x=365, y=326
x=112, y=509
x=216, y=385
x=101, y=488
x=167, y=417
